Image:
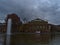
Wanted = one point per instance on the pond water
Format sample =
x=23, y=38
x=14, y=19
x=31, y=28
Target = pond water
x=31, y=39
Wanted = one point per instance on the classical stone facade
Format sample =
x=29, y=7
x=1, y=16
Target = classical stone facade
x=35, y=25
x=57, y=29
x=3, y=27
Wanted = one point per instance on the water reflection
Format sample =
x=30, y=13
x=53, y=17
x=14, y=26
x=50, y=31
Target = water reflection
x=32, y=39
x=29, y=39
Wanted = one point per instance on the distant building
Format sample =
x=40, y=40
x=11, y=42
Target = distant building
x=37, y=25
x=3, y=27
x=57, y=28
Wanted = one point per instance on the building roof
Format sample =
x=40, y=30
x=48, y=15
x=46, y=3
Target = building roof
x=38, y=19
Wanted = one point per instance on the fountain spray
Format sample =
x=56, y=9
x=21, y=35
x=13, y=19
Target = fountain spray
x=8, y=33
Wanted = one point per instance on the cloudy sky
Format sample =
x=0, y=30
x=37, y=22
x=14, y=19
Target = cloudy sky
x=31, y=9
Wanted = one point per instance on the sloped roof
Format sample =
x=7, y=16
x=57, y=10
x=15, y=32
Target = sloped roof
x=38, y=19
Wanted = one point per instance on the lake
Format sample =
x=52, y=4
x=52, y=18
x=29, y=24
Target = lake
x=31, y=39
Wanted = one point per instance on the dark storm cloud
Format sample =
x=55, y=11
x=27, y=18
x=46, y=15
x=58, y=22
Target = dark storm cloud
x=31, y=9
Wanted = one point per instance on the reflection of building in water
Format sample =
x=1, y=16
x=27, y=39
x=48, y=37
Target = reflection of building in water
x=35, y=25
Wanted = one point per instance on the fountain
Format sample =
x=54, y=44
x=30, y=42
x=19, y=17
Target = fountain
x=8, y=33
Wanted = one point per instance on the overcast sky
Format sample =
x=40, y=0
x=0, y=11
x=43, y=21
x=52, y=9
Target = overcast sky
x=31, y=9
